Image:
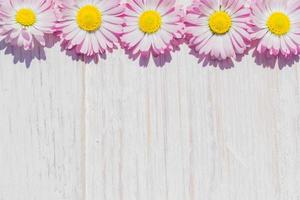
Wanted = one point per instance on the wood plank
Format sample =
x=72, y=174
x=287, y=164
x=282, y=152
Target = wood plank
x=42, y=128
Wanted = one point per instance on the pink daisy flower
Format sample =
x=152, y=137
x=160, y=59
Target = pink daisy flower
x=276, y=27
x=90, y=27
x=26, y=23
x=218, y=29
x=152, y=26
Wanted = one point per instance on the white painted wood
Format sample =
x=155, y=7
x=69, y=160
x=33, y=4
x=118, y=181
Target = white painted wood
x=115, y=131
x=42, y=128
x=188, y=132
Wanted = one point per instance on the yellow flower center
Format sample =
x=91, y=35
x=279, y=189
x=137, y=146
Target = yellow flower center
x=150, y=21
x=219, y=22
x=89, y=18
x=26, y=17
x=279, y=23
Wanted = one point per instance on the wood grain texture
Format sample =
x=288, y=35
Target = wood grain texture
x=187, y=132
x=41, y=126
x=115, y=131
